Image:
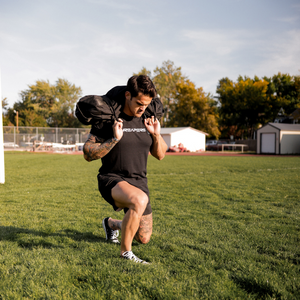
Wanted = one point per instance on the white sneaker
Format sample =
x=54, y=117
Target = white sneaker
x=111, y=235
x=129, y=255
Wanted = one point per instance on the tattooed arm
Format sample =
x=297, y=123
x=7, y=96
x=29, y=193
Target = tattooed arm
x=95, y=148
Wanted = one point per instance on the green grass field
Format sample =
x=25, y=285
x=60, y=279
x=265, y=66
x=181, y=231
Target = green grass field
x=224, y=228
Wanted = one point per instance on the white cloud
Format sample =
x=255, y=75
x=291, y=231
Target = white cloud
x=282, y=55
x=214, y=54
x=220, y=42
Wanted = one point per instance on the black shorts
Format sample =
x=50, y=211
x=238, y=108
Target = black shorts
x=106, y=184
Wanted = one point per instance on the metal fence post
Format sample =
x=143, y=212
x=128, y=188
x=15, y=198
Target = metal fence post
x=14, y=137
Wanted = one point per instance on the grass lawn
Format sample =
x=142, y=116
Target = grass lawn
x=224, y=228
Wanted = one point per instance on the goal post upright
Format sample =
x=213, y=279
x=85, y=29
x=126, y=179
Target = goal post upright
x=2, y=170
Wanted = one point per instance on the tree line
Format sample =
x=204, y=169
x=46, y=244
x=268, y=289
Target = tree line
x=45, y=105
x=239, y=109
x=248, y=103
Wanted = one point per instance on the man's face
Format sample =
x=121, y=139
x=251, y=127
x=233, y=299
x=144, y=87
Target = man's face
x=136, y=106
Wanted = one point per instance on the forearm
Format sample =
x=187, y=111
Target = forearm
x=94, y=150
x=159, y=147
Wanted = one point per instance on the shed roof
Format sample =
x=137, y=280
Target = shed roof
x=286, y=127
x=296, y=114
x=169, y=130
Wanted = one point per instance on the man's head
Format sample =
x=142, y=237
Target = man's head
x=139, y=94
x=141, y=84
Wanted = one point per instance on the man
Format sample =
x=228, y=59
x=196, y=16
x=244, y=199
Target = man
x=123, y=149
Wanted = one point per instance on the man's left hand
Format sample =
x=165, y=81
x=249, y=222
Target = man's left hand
x=152, y=125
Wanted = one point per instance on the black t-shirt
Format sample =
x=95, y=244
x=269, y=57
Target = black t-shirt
x=128, y=158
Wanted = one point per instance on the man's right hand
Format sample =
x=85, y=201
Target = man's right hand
x=118, y=129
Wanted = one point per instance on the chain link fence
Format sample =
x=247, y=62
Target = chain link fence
x=44, y=138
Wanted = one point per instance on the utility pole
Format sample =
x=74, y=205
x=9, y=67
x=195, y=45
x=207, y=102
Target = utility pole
x=17, y=117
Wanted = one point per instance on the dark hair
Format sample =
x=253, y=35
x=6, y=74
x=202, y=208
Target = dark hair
x=141, y=84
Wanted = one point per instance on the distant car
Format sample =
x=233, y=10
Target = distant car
x=212, y=142
x=217, y=146
x=10, y=145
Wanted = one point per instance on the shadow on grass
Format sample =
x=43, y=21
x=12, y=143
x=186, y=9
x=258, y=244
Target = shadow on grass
x=261, y=290
x=29, y=238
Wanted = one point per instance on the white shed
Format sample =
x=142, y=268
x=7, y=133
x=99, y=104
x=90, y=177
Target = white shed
x=192, y=139
x=278, y=138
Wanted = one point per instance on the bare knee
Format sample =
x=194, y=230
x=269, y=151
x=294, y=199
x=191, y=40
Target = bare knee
x=140, y=203
x=145, y=241
x=129, y=196
x=142, y=239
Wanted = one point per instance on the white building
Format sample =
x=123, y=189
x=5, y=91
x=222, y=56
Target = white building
x=278, y=138
x=192, y=139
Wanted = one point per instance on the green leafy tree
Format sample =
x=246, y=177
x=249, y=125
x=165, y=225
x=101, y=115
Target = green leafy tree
x=249, y=103
x=166, y=79
x=26, y=117
x=192, y=107
x=30, y=112
x=184, y=104
x=5, y=118
x=44, y=104
x=243, y=105
x=62, y=112
x=286, y=91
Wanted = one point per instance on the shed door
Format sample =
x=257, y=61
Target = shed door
x=268, y=142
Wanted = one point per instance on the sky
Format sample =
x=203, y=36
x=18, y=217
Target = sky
x=98, y=44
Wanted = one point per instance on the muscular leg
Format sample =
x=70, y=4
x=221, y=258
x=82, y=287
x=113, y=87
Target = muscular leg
x=126, y=195
x=114, y=224
x=144, y=231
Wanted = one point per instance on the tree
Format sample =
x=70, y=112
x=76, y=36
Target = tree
x=5, y=118
x=243, y=105
x=31, y=110
x=192, y=107
x=249, y=103
x=66, y=96
x=4, y=103
x=184, y=104
x=44, y=104
x=166, y=79
x=286, y=91
x=144, y=71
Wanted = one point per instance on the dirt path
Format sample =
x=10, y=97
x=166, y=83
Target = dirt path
x=208, y=153
x=228, y=154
